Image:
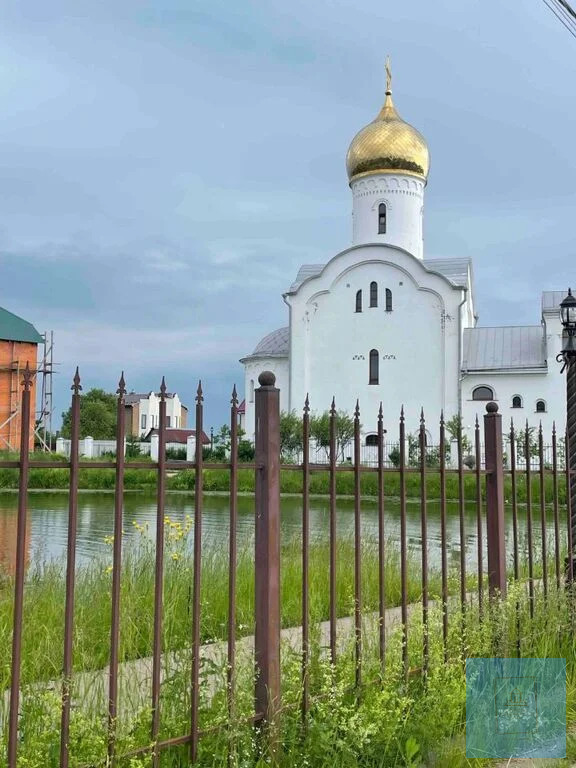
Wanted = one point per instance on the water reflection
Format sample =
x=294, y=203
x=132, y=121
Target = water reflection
x=46, y=531
x=9, y=537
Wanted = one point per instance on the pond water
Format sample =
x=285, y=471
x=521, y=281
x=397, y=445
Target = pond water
x=48, y=517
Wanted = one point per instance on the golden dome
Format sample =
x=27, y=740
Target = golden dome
x=388, y=145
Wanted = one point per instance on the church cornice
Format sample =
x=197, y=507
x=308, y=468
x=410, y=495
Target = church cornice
x=396, y=185
x=541, y=369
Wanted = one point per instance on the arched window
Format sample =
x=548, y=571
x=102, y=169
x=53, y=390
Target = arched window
x=516, y=401
x=388, y=300
x=373, y=372
x=382, y=219
x=540, y=406
x=373, y=294
x=483, y=393
x=358, y=301
x=371, y=439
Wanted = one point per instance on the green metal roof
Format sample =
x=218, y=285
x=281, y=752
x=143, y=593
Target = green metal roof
x=14, y=328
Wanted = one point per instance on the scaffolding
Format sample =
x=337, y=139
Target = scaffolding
x=10, y=423
x=43, y=424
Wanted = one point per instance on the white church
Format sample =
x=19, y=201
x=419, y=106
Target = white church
x=381, y=323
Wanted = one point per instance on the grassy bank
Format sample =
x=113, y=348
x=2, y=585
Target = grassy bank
x=290, y=482
x=45, y=590
x=393, y=724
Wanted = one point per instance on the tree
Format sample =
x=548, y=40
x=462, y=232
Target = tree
x=97, y=416
x=223, y=445
x=133, y=449
x=454, y=428
x=521, y=442
x=290, y=434
x=245, y=450
x=220, y=449
x=320, y=431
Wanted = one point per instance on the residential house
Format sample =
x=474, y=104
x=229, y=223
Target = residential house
x=143, y=412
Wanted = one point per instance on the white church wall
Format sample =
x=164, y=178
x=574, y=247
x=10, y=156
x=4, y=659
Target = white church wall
x=531, y=387
x=403, y=196
x=418, y=342
x=252, y=369
x=548, y=385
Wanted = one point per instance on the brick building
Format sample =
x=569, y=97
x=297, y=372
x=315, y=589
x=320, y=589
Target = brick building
x=18, y=345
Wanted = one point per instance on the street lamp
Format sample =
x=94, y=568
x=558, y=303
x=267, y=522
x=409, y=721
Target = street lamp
x=568, y=359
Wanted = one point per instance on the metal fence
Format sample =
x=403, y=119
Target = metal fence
x=482, y=487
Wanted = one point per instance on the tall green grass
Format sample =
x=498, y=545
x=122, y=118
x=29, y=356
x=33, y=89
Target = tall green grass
x=390, y=723
x=45, y=594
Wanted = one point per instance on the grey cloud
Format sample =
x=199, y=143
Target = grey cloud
x=164, y=170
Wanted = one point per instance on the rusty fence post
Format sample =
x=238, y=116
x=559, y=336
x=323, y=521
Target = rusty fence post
x=16, y=662
x=267, y=548
x=496, y=541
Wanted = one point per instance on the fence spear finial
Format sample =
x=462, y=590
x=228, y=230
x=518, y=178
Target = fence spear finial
x=121, y=385
x=27, y=380
x=380, y=412
x=163, y=388
x=307, y=404
x=234, y=399
x=199, y=395
x=477, y=423
x=554, y=428
x=402, y=413
x=76, y=386
x=357, y=410
x=333, y=407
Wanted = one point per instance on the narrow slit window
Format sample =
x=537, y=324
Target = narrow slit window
x=373, y=372
x=382, y=219
x=358, y=301
x=373, y=294
x=388, y=300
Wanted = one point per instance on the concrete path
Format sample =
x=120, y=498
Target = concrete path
x=90, y=689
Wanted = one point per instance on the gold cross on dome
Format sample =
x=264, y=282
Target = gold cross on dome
x=388, y=75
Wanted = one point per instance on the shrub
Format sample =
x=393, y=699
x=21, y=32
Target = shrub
x=176, y=454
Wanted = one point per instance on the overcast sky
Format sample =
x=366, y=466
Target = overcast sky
x=165, y=167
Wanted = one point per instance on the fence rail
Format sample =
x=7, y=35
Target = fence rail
x=490, y=482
